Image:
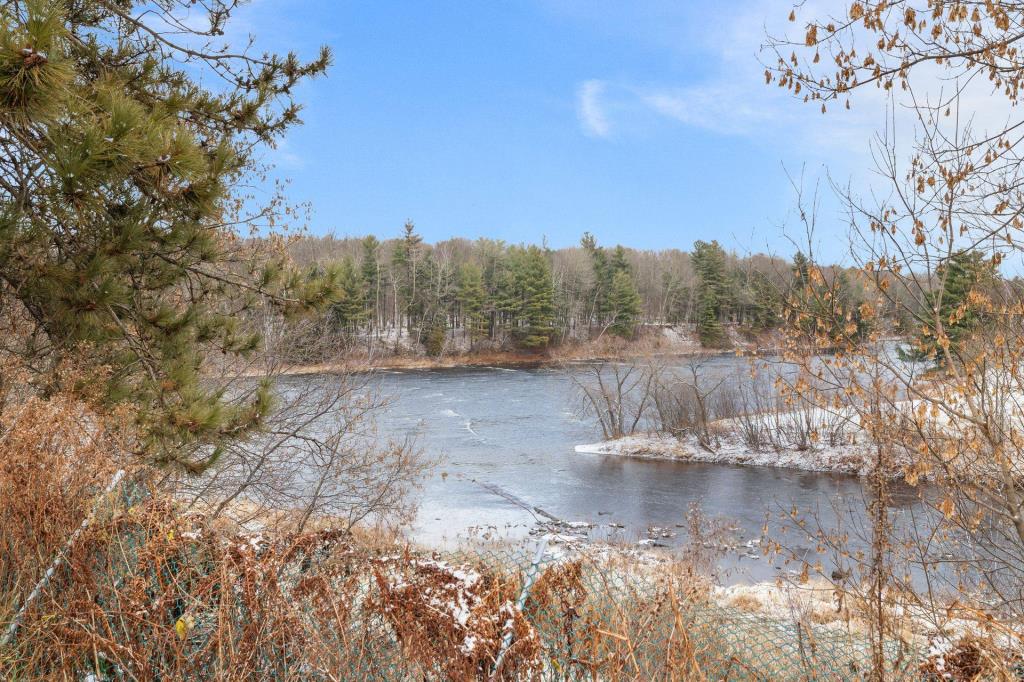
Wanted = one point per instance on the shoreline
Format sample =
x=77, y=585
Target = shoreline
x=651, y=341
x=483, y=360
x=593, y=351
x=847, y=459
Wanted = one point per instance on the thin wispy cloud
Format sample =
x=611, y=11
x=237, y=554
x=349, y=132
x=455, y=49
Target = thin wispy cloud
x=589, y=108
x=716, y=108
x=726, y=94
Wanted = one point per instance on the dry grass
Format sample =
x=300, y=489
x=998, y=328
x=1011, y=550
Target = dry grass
x=973, y=658
x=54, y=457
x=746, y=602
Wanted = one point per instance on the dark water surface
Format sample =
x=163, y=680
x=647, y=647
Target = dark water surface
x=512, y=431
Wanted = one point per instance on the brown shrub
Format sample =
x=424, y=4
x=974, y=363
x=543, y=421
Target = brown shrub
x=456, y=620
x=55, y=456
x=972, y=658
x=151, y=594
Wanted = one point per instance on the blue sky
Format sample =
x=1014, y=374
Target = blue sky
x=646, y=123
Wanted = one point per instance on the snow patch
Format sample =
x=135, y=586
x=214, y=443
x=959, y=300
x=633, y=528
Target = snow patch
x=849, y=459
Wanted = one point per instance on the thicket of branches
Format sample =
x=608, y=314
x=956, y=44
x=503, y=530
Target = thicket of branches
x=943, y=217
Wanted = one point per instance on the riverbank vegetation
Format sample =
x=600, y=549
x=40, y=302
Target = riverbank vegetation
x=693, y=409
x=946, y=215
x=146, y=588
x=403, y=302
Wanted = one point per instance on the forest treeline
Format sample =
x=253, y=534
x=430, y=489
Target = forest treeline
x=487, y=292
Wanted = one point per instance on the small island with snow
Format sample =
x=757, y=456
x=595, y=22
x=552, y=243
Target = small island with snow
x=689, y=423
x=845, y=459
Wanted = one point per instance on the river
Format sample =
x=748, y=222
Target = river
x=505, y=438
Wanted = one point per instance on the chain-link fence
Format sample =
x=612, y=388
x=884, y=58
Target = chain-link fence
x=601, y=615
x=147, y=594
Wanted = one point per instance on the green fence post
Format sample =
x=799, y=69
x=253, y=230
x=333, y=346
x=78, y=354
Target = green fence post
x=521, y=602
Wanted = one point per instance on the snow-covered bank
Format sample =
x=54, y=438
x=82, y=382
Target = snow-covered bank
x=828, y=607
x=847, y=459
x=809, y=438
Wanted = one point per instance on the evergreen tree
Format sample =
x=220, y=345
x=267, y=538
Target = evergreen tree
x=348, y=310
x=805, y=309
x=598, y=294
x=472, y=297
x=435, y=336
x=405, y=267
x=801, y=270
x=959, y=313
x=824, y=306
x=709, y=262
x=618, y=262
x=371, y=275
x=538, y=308
x=613, y=305
x=117, y=161
x=532, y=301
x=624, y=301
x=767, y=305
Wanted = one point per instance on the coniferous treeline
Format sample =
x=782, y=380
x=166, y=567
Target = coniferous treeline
x=529, y=296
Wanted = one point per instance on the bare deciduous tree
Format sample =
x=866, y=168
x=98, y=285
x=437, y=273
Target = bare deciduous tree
x=320, y=454
x=618, y=394
x=689, y=402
